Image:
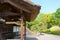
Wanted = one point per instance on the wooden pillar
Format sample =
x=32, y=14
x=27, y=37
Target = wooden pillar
x=25, y=30
x=22, y=29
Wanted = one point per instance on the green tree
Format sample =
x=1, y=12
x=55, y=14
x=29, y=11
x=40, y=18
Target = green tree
x=57, y=16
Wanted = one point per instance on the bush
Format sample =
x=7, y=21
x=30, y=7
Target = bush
x=46, y=31
x=55, y=30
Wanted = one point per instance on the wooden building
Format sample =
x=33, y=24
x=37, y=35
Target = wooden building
x=14, y=12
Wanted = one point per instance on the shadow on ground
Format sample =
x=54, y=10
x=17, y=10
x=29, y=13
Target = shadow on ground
x=30, y=38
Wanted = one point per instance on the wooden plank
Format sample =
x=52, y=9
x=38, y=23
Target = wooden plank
x=1, y=38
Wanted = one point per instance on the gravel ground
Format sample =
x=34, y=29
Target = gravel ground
x=41, y=37
x=49, y=37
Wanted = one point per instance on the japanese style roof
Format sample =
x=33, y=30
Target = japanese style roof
x=15, y=8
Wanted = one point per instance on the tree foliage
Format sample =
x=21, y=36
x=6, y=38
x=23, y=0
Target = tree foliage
x=45, y=21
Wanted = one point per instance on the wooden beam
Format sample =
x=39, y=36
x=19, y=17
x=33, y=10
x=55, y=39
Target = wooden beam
x=17, y=23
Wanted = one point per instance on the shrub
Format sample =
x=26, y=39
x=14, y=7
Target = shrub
x=55, y=30
x=46, y=31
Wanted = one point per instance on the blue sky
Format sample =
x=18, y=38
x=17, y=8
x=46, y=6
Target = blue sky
x=48, y=6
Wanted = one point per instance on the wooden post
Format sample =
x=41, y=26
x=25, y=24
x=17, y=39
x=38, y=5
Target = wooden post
x=22, y=28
